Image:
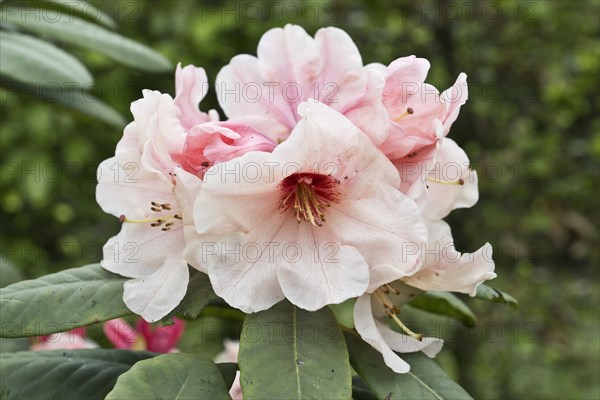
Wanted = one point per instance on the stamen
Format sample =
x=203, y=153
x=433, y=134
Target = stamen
x=124, y=219
x=459, y=182
x=157, y=221
x=409, y=111
x=393, y=289
x=391, y=310
x=309, y=194
x=418, y=336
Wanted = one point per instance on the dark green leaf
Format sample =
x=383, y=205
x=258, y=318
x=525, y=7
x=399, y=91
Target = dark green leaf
x=64, y=374
x=70, y=97
x=171, y=376
x=360, y=390
x=78, y=32
x=61, y=301
x=287, y=352
x=199, y=293
x=228, y=371
x=426, y=380
x=485, y=292
x=445, y=303
x=30, y=60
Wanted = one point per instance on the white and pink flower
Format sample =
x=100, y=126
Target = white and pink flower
x=316, y=215
x=292, y=67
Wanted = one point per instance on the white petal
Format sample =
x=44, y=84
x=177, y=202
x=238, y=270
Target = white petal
x=366, y=326
x=186, y=192
x=155, y=296
x=452, y=164
x=406, y=344
x=139, y=250
x=452, y=271
x=315, y=271
x=446, y=269
x=384, y=225
x=243, y=270
x=126, y=186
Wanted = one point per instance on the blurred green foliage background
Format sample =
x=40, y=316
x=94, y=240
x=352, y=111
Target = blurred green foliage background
x=531, y=129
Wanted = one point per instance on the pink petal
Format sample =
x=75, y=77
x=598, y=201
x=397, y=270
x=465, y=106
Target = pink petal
x=191, y=85
x=454, y=98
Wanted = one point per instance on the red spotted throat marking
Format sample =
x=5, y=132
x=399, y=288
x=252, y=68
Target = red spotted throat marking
x=309, y=194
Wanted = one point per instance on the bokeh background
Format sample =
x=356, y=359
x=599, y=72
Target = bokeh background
x=531, y=129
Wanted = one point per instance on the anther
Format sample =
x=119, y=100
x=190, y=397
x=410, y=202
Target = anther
x=409, y=111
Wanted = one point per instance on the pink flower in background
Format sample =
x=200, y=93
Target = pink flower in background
x=159, y=339
x=230, y=355
x=325, y=208
x=70, y=340
x=292, y=67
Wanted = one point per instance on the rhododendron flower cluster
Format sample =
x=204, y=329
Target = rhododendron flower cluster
x=325, y=180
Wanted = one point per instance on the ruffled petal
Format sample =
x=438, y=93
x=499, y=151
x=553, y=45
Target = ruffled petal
x=453, y=98
x=366, y=326
x=452, y=165
x=446, y=269
x=191, y=85
x=155, y=296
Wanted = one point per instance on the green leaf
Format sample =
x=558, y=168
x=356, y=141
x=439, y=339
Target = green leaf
x=69, y=97
x=171, y=376
x=199, y=293
x=61, y=301
x=30, y=60
x=82, y=8
x=425, y=381
x=360, y=390
x=485, y=292
x=445, y=303
x=87, y=104
x=81, y=33
x=287, y=352
x=228, y=371
x=64, y=374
